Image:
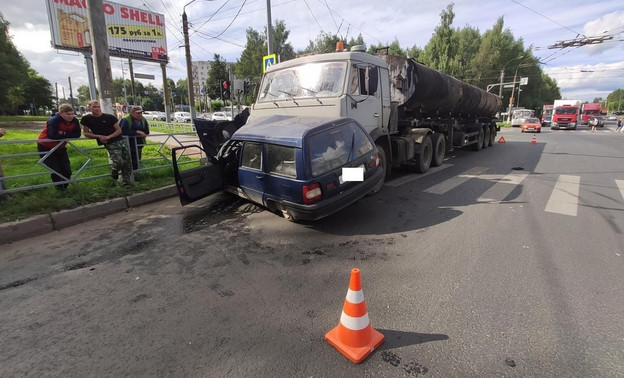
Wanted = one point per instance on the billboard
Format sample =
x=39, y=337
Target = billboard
x=132, y=32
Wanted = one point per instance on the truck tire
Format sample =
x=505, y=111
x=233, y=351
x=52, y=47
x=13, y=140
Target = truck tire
x=423, y=159
x=439, y=149
x=477, y=146
x=486, y=136
x=492, y=135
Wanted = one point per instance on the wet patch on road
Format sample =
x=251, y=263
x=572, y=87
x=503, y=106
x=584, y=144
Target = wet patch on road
x=412, y=368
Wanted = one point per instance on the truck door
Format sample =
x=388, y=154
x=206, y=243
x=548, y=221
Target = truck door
x=364, y=102
x=251, y=175
x=195, y=182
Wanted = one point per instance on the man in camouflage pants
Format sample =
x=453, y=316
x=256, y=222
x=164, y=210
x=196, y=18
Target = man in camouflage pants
x=105, y=129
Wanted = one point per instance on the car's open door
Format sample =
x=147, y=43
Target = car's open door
x=195, y=178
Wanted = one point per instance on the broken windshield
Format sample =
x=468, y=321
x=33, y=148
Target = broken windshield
x=313, y=80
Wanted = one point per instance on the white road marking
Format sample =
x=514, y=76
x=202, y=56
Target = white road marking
x=564, y=197
x=454, y=182
x=509, y=183
x=620, y=185
x=409, y=178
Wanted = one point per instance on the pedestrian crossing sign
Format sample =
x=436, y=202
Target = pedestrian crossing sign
x=267, y=61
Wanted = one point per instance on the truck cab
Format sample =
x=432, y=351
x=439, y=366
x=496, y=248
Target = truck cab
x=350, y=84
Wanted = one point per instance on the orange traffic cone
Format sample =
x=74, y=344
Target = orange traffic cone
x=502, y=140
x=354, y=337
x=534, y=139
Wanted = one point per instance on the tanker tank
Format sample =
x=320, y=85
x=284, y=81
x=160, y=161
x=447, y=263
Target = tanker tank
x=429, y=93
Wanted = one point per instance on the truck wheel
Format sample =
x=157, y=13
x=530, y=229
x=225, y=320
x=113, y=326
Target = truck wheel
x=492, y=135
x=486, y=136
x=423, y=159
x=477, y=146
x=439, y=149
x=385, y=164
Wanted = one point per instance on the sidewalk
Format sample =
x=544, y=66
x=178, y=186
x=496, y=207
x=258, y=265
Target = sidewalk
x=42, y=224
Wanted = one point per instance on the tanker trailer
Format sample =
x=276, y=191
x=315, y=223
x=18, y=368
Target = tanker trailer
x=450, y=112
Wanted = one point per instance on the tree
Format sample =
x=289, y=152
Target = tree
x=217, y=74
x=13, y=71
x=393, y=49
x=84, y=94
x=37, y=90
x=281, y=47
x=440, y=49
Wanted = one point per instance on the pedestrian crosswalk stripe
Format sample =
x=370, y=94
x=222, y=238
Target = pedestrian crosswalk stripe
x=620, y=185
x=454, y=182
x=564, y=197
x=503, y=187
x=409, y=178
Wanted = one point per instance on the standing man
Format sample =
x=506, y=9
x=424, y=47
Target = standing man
x=63, y=125
x=135, y=126
x=105, y=129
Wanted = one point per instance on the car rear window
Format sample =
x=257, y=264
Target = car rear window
x=333, y=148
x=281, y=160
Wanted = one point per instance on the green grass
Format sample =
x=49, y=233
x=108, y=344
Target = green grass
x=24, y=118
x=21, y=205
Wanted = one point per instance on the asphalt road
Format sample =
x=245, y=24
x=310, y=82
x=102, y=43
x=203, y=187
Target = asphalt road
x=502, y=262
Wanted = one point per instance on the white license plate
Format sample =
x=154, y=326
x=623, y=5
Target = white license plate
x=342, y=181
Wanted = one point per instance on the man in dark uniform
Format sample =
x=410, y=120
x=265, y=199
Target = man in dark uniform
x=105, y=129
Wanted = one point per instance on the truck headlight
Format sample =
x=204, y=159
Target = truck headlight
x=572, y=124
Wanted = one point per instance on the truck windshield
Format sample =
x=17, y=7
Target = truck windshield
x=566, y=110
x=312, y=80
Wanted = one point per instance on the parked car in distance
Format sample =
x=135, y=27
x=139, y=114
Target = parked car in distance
x=220, y=116
x=531, y=124
x=612, y=117
x=302, y=167
x=547, y=121
x=182, y=117
x=154, y=116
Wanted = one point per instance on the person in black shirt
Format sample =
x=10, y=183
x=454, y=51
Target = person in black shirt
x=105, y=129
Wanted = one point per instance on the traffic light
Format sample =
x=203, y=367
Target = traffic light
x=245, y=87
x=225, y=90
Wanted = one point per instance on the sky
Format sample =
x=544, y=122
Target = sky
x=219, y=27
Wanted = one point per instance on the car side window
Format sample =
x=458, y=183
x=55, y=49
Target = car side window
x=281, y=160
x=252, y=155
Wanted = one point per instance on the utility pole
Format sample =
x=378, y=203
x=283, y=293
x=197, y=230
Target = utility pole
x=57, y=98
x=269, y=29
x=71, y=95
x=132, y=82
x=189, y=68
x=99, y=44
x=500, y=86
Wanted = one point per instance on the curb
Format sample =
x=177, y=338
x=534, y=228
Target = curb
x=45, y=223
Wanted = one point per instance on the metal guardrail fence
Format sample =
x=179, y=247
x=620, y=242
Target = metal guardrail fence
x=91, y=158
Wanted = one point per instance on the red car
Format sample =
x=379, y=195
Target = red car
x=531, y=124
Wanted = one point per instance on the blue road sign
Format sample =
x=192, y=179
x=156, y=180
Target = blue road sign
x=268, y=61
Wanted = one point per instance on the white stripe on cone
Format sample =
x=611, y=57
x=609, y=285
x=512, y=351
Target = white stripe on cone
x=354, y=324
x=355, y=296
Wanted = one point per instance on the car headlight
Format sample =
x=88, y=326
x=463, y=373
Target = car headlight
x=572, y=124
